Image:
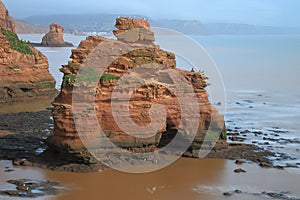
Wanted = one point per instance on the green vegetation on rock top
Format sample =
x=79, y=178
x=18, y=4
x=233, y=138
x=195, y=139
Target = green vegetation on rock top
x=87, y=75
x=106, y=77
x=17, y=44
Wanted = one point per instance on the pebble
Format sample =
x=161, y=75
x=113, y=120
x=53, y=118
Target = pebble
x=239, y=162
x=240, y=170
x=227, y=194
x=265, y=164
x=9, y=170
x=279, y=167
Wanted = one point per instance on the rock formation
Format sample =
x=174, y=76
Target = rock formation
x=140, y=33
x=66, y=140
x=55, y=37
x=6, y=21
x=24, y=73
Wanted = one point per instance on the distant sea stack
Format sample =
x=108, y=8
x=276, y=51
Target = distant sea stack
x=66, y=142
x=55, y=37
x=6, y=21
x=24, y=73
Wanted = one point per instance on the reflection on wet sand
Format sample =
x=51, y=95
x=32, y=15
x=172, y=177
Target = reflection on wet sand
x=188, y=179
x=173, y=182
x=28, y=106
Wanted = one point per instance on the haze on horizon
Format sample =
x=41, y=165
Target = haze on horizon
x=259, y=12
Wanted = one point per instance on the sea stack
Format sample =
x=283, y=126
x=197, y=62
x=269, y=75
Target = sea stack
x=54, y=38
x=66, y=140
x=24, y=73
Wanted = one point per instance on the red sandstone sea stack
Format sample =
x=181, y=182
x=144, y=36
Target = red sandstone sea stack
x=66, y=140
x=55, y=37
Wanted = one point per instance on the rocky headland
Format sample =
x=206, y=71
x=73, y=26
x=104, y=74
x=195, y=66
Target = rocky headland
x=24, y=73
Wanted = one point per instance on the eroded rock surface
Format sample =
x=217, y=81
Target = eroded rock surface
x=6, y=21
x=24, y=73
x=66, y=139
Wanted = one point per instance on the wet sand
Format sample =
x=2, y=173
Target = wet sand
x=29, y=106
x=188, y=179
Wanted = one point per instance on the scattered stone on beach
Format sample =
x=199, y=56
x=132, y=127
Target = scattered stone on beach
x=258, y=132
x=227, y=194
x=245, y=131
x=265, y=164
x=239, y=162
x=31, y=189
x=262, y=195
x=248, y=101
x=279, y=167
x=291, y=165
x=240, y=170
x=22, y=162
x=9, y=170
x=237, y=139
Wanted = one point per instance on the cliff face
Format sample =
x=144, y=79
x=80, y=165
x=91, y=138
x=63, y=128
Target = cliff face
x=55, y=37
x=66, y=139
x=6, y=21
x=24, y=73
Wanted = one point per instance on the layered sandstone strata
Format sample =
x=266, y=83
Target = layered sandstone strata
x=6, y=21
x=54, y=38
x=66, y=139
x=24, y=73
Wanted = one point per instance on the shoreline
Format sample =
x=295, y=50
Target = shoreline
x=24, y=137
x=24, y=134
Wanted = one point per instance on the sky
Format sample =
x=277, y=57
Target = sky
x=260, y=12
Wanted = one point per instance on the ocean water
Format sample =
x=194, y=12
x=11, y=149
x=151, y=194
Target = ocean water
x=261, y=78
